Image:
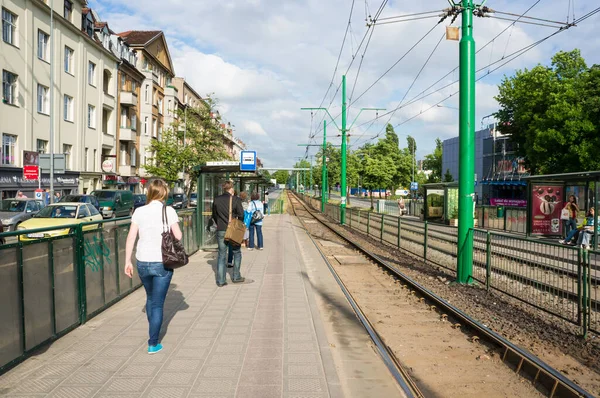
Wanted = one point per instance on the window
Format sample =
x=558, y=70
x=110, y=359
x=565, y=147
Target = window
x=9, y=87
x=86, y=159
x=91, y=116
x=95, y=160
x=93, y=210
x=92, y=73
x=147, y=94
x=145, y=64
x=42, y=146
x=133, y=122
x=160, y=106
x=69, y=60
x=123, y=155
x=84, y=212
x=133, y=86
x=133, y=155
x=123, y=82
x=154, y=128
x=9, y=149
x=68, y=10
x=146, y=125
x=67, y=151
x=9, y=27
x=43, y=103
x=43, y=45
x=124, y=117
x=68, y=108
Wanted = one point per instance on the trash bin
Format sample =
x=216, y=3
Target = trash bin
x=500, y=212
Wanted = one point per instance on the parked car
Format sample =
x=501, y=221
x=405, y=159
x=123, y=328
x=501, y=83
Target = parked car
x=180, y=201
x=139, y=200
x=193, y=199
x=59, y=214
x=114, y=203
x=89, y=199
x=14, y=211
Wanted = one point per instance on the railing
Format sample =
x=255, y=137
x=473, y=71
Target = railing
x=561, y=280
x=276, y=206
x=52, y=284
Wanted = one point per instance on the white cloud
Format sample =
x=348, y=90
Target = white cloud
x=253, y=128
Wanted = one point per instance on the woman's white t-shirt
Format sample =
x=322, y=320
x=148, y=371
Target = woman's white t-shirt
x=149, y=220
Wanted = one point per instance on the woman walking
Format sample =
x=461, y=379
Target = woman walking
x=147, y=221
x=256, y=205
x=573, y=209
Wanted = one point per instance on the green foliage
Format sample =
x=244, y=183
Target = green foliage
x=281, y=176
x=448, y=176
x=433, y=162
x=203, y=143
x=552, y=114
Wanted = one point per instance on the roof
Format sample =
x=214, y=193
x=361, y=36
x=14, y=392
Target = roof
x=579, y=176
x=139, y=37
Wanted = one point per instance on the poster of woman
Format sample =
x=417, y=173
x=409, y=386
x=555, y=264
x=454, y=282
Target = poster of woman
x=545, y=209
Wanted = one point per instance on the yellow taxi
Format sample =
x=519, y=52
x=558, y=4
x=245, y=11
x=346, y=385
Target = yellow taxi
x=58, y=214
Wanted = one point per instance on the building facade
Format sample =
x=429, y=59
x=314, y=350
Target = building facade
x=83, y=100
x=154, y=61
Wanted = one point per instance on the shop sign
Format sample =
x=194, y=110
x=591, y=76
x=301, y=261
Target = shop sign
x=133, y=180
x=109, y=177
x=108, y=166
x=31, y=172
x=546, y=205
x=16, y=179
x=508, y=202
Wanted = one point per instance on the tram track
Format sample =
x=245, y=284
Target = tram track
x=544, y=378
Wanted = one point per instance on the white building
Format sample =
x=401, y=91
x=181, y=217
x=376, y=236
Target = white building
x=84, y=100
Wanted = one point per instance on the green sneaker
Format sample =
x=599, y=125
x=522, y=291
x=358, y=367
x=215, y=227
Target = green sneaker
x=153, y=349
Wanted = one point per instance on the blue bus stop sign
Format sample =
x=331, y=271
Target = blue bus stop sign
x=414, y=186
x=248, y=161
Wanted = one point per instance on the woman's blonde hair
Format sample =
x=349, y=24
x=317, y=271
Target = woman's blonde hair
x=157, y=190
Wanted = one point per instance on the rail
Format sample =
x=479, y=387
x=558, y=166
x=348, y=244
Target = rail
x=557, y=279
x=555, y=383
x=51, y=284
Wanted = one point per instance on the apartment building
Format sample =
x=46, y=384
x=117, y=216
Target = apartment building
x=84, y=96
x=154, y=61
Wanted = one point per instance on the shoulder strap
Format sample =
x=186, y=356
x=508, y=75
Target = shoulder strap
x=230, y=202
x=164, y=218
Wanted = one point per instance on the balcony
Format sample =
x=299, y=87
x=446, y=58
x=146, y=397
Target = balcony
x=129, y=98
x=126, y=134
x=151, y=75
x=108, y=101
x=127, y=171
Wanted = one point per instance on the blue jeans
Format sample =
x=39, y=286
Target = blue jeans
x=259, y=235
x=574, y=233
x=571, y=225
x=221, y=261
x=156, y=280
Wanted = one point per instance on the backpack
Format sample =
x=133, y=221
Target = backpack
x=256, y=215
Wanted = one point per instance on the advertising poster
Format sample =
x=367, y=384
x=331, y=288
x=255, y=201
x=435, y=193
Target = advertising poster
x=546, y=204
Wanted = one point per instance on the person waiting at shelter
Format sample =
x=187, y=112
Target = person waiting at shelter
x=570, y=222
x=574, y=235
x=585, y=235
x=225, y=208
x=254, y=206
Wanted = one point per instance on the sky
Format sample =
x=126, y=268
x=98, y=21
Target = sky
x=265, y=59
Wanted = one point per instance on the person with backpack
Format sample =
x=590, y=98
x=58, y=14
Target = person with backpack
x=257, y=209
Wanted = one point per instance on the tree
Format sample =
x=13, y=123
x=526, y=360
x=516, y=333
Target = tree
x=551, y=114
x=170, y=155
x=281, y=176
x=433, y=162
x=375, y=172
x=448, y=176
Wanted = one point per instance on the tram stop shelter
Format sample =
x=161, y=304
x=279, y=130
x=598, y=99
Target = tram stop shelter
x=548, y=194
x=211, y=177
x=441, y=201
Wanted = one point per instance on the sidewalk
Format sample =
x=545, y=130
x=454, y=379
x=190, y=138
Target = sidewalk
x=286, y=333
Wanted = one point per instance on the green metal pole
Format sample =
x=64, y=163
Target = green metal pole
x=466, y=165
x=343, y=171
x=324, y=169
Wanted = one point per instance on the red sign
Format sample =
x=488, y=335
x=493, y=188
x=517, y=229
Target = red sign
x=31, y=172
x=546, y=205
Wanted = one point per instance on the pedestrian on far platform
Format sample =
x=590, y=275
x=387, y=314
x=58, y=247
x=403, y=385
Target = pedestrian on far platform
x=266, y=204
x=573, y=209
x=256, y=205
x=147, y=222
x=21, y=195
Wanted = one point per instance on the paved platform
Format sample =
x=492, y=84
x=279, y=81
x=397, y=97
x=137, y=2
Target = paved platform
x=288, y=333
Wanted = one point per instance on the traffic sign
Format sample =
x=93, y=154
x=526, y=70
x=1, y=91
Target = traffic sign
x=39, y=194
x=414, y=186
x=31, y=172
x=248, y=161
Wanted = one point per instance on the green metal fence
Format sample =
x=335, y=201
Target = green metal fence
x=558, y=279
x=53, y=283
x=276, y=206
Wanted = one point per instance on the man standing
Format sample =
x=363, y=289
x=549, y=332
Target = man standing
x=221, y=214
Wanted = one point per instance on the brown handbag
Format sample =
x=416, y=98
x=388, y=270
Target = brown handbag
x=173, y=252
x=235, y=229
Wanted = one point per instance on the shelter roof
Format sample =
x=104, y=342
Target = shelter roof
x=578, y=176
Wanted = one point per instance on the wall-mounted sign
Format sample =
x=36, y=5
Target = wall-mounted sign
x=108, y=166
x=248, y=161
x=546, y=204
x=31, y=172
x=31, y=158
